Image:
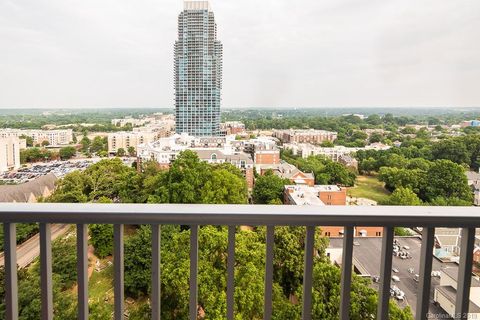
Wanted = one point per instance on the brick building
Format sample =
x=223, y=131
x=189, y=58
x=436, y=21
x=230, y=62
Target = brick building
x=326, y=195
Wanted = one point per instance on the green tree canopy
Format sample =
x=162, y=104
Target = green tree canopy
x=67, y=153
x=403, y=197
x=268, y=188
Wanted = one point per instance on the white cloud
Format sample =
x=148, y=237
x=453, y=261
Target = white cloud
x=70, y=53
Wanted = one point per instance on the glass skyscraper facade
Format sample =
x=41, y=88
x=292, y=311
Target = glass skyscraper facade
x=198, y=71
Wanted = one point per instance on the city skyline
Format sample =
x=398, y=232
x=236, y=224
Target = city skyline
x=277, y=54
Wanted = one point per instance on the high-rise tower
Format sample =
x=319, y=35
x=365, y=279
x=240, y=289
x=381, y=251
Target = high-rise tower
x=198, y=71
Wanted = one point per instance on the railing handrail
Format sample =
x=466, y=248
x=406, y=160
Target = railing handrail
x=278, y=215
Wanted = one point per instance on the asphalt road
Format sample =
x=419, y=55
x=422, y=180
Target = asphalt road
x=30, y=249
x=366, y=255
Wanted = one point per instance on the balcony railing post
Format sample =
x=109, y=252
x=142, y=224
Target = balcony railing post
x=118, y=261
x=82, y=271
x=156, y=284
x=267, y=314
x=385, y=273
x=426, y=256
x=346, y=273
x=11, y=286
x=308, y=273
x=231, y=273
x=465, y=273
x=193, y=272
x=46, y=271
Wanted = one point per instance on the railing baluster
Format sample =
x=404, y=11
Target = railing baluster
x=118, y=257
x=156, y=259
x=11, y=286
x=267, y=313
x=426, y=256
x=308, y=273
x=193, y=272
x=231, y=273
x=385, y=273
x=46, y=271
x=465, y=273
x=82, y=271
x=346, y=273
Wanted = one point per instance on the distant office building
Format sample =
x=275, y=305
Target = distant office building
x=198, y=71
x=305, y=136
x=124, y=140
x=470, y=123
x=9, y=153
x=53, y=137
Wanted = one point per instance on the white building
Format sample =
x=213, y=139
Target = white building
x=334, y=153
x=157, y=119
x=445, y=294
x=53, y=137
x=305, y=136
x=166, y=150
x=473, y=180
x=10, y=153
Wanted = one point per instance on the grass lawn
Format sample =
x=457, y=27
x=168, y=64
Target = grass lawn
x=101, y=290
x=101, y=287
x=370, y=188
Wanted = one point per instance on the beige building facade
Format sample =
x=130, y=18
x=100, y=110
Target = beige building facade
x=53, y=137
x=10, y=153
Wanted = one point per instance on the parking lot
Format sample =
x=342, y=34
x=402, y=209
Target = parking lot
x=366, y=260
x=58, y=168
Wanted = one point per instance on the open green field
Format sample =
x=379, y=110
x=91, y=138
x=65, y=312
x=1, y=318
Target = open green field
x=369, y=187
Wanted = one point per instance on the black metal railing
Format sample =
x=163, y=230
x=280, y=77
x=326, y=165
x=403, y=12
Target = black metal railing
x=467, y=218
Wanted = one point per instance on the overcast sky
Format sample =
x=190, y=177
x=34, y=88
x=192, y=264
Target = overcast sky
x=277, y=53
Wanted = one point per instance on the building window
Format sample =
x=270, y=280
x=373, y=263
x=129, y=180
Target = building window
x=378, y=234
x=327, y=234
x=214, y=157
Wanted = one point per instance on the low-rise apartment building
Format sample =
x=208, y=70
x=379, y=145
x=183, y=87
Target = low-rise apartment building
x=232, y=127
x=289, y=171
x=53, y=137
x=10, y=153
x=305, y=136
x=211, y=150
x=264, y=152
x=137, y=136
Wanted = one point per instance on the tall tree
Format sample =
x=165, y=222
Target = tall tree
x=403, y=197
x=447, y=179
x=268, y=188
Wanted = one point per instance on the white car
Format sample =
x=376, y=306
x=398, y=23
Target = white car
x=395, y=278
x=406, y=247
x=395, y=270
